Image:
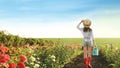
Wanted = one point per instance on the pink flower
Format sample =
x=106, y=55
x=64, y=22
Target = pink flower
x=4, y=58
x=23, y=58
x=3, y=49
x=21, y=65
x=12, y=65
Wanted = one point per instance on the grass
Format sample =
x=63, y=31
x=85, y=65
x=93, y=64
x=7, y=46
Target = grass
x=99, y=41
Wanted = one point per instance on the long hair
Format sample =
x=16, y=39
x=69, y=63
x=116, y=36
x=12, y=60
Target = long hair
x=87, y=29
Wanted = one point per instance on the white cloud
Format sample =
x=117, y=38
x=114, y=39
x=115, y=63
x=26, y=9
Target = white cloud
x=32, y=29
x=29, y=27
x=105, y=22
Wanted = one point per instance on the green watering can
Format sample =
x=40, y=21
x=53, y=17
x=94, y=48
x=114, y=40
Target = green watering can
x=95, y=51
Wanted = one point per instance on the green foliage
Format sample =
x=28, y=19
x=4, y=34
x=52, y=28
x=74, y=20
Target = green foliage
x=112, y=56
x=56, y=56
x=14, y=40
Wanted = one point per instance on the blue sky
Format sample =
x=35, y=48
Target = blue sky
x=58, y=18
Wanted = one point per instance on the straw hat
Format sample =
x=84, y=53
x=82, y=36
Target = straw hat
x=86, y=23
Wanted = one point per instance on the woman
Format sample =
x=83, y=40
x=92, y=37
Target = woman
x=88, y=41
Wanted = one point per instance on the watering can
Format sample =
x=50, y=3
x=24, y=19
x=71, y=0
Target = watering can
x=95, y=51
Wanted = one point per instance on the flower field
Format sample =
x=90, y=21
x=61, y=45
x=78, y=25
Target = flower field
x=17, y=52
x=35, y=56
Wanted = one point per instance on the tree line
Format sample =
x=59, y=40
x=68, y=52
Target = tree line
x=15, y=40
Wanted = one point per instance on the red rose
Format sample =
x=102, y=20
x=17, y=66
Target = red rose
x=4, y=58
x=12, y=65
x=3, y=49
x=21, y=65
x=23, y=58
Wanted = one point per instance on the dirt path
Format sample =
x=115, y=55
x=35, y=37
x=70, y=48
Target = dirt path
x=97, y=62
